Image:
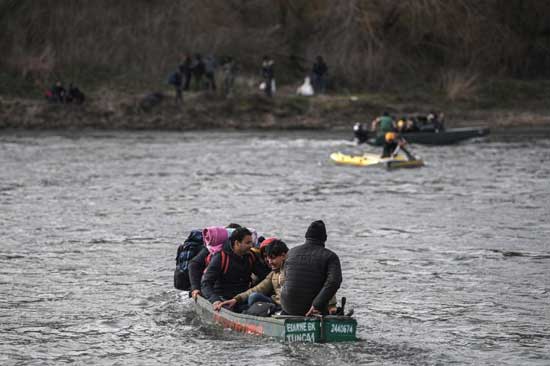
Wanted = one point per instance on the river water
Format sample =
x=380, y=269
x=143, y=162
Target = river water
x=446, y=264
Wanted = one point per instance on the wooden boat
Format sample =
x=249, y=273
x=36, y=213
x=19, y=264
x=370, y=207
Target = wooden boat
x=288, y=328
x=431, y=137
x=368, y=159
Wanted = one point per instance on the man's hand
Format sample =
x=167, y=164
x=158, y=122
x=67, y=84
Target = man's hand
x=195, y=293
x=312, y=311
x=332, y=310
x=229, y=303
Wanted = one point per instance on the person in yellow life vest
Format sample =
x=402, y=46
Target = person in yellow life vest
x=402, y=125
x=393, y=143
x=405, y=124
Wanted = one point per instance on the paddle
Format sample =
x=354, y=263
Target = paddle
x=396, y=151
x=409, y=155
x=402, y=147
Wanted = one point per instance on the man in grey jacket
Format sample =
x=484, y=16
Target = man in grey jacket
x=313, y=275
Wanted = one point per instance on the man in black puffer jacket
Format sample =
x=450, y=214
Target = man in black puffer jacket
x=228, y=273
x=313, y=275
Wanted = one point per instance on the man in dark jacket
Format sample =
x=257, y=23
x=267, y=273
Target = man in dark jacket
x=319, y=72
x=229, y=271
x=268, y=74
x=176, y=80
x=198, y=69
x=313, y=275
x=186, y=71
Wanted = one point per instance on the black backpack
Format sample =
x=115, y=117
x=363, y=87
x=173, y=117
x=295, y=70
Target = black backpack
x=260, y=308
x=174, y=79
x=186, y=252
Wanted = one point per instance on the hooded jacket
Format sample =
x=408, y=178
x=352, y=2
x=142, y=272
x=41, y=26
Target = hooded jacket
x=196, y=269
x=217, y=285
x=312, y=274
x=214, y=238
x=271, y=286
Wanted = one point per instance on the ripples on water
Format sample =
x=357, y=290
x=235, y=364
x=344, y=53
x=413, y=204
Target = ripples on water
x=443, y=264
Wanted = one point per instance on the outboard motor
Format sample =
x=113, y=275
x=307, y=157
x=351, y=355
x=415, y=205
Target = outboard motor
x=360, y=132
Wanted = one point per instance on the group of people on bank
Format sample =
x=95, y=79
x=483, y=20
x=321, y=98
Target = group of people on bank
x=236, y=269
x=199, y=73
x=196, y=73
x=314, y=83
x=59, y=94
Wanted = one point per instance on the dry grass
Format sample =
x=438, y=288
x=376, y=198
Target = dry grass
x=367, y=43
x=460, y=85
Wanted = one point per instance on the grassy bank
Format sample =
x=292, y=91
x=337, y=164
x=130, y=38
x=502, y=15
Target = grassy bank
x=119, y=104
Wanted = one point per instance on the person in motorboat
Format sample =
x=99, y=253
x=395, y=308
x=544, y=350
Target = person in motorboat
x=433, y=122
x=360, y=132
x=405, y=124
x=257, y=240
x=230, y=269
x=214, y=238
x=269, y=290
x=383, y=124
x=312, y=275
x=393, y=143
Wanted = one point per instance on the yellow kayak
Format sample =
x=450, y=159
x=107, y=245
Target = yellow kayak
x=368, y=159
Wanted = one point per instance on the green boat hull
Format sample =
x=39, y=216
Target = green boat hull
x=287, y=328
x=446, y=137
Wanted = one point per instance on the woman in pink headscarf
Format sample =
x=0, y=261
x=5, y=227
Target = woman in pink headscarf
x=214, y=237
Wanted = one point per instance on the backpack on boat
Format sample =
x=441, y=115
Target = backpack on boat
x=186, y=252
x=260, y=308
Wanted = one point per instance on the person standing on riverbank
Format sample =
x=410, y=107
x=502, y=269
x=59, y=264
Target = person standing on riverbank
x=318, y=73
x=198, y=70
x=210, y=66
x=176, y=81
x=58, y=93
x=185, y=70
x=229, y=72
x=268, y=75
x=313, y=275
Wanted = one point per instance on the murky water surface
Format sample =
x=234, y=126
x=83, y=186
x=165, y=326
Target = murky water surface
x=447, y=264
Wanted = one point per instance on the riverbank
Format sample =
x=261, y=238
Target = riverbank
x=202, y=110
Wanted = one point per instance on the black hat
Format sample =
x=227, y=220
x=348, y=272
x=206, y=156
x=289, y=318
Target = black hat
x=317, y=231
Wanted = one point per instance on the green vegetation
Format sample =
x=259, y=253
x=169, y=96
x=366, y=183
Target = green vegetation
x=15, y=85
